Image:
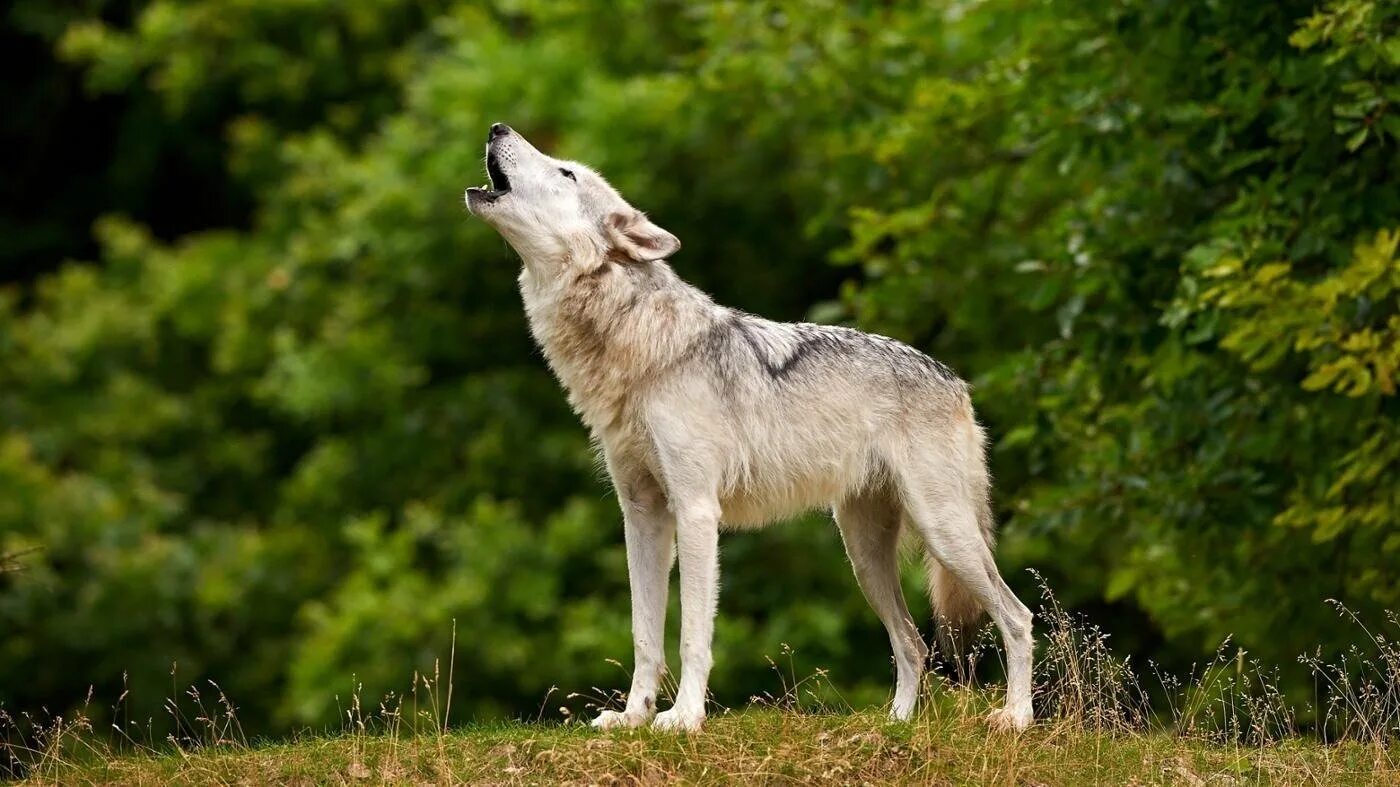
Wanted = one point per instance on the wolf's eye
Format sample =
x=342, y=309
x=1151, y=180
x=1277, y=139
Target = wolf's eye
x=568, y=174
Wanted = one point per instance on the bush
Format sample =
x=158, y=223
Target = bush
x=1159, y=237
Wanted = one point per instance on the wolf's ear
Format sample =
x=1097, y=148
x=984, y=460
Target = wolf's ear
x=635, y=237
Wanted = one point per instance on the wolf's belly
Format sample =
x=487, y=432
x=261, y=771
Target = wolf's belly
x=766, y=491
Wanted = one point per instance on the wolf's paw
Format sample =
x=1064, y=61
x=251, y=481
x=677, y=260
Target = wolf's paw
x=1009, y=719
x=613, y=720
x=679, y=720
x=903, y=707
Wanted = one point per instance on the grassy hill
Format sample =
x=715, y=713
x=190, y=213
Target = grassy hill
x=945, y=746
x=1224, y=723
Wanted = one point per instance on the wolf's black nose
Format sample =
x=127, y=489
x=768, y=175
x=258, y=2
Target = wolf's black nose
x=497, y=130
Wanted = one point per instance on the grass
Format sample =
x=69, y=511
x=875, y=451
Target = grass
x=948, y=745
x=1225, y=723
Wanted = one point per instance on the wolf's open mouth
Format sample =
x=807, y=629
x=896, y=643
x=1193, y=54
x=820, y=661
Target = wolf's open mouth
x=500, y=184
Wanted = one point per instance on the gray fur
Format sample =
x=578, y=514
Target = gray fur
x=707, y=417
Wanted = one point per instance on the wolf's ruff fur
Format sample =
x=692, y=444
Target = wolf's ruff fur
x=709, y=417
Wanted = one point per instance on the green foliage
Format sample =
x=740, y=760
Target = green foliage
x=1160, y=237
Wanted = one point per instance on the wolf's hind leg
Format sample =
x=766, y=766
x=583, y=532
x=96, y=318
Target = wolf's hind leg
x=869, y=524
x=945, y=515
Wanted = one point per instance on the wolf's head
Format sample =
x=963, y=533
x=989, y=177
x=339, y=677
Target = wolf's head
x=555, y=211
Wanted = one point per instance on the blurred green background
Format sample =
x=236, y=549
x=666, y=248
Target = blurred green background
x=269, y=410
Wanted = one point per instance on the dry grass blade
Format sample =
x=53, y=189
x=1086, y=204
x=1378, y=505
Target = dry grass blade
x=1225, y=723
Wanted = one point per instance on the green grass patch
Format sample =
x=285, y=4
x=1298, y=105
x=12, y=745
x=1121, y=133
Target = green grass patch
x=751, y=746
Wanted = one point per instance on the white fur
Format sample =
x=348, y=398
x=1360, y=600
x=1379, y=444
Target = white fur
x=706, y=416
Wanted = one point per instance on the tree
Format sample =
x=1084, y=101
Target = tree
x=1159, y=237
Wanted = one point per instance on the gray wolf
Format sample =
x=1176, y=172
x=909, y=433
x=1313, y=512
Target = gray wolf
x=709, y=418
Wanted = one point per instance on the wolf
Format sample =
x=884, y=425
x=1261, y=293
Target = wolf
x=710, y=418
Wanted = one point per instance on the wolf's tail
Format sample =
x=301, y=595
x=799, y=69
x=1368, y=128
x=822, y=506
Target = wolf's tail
x=956, y=611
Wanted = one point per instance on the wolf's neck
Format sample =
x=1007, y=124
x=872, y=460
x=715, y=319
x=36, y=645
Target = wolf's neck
x=611, y=332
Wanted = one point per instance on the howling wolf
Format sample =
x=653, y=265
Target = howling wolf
x=708, y=417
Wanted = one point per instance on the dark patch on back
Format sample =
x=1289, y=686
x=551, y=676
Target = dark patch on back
x=833, y=341
x=809, y=343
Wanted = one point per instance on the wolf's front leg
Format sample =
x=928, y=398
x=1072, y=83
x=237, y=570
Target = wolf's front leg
x=697, y=541
x=650, y=530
